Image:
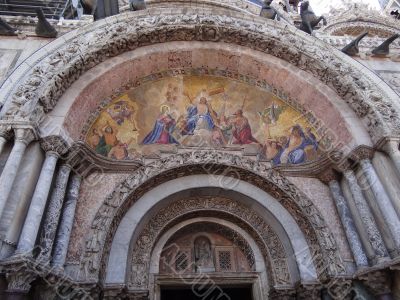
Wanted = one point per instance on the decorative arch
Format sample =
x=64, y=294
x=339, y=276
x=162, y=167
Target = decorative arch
x=358, y=18
x=355, y=28
x=58, y=65
x=218, y=207
x=228, y=229
x=258, y=174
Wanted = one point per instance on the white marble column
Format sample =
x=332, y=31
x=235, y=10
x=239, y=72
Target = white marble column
x=383, y=200
x=5, y=135
x=32, y=222
x=3, y=141
x=373, y=233
x=391, y=147
x=53, y=213
x=348, y=224
x=65, y=227
x=23, y=137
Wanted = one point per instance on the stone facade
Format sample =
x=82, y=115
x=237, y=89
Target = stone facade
x=82, y=219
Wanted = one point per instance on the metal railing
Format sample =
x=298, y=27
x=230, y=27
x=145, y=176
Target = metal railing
x=52, y=9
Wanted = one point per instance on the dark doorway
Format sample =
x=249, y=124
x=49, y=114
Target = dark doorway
x=207, y=293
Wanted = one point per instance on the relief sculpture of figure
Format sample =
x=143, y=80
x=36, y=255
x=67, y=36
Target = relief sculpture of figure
x=203, y=255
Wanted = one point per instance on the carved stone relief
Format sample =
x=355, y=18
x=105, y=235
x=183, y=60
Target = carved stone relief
x=269, y=242
x=207, y=162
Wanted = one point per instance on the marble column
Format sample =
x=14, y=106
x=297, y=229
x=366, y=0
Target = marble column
x=53, y=213
x=383, y=200
x=373, y=233
x=65, y=227
x=32, y=222
x=23, y=136
x=348, y=224
x=5, y=135
x=391, y=147
x=19, y=200
x=54, y=147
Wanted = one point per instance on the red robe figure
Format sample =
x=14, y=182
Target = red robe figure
x=241, y=129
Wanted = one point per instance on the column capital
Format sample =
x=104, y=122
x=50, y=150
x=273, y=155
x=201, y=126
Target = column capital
x=361, y=153
x=20, y=281
x=378, y=282
x=389, y=145
x=328, y=176
x=24, y=134
x=54, y=144
x=6, y=131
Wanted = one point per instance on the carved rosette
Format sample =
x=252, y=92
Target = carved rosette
x=54, y=144
x=53, y=74
x=208, y=162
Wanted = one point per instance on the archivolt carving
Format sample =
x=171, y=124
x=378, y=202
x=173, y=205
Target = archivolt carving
x=222, y=230
x=52, y=74
x=214, y=163
x=356, y=28
x=359, y=15
x=269, y=242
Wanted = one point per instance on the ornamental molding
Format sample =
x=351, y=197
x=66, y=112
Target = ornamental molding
x=356, y=14
x=49, y=72
x=115, y=205
x=267, y=240
x=55, y=144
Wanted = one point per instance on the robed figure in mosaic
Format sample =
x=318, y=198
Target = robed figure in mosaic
x=163, y=129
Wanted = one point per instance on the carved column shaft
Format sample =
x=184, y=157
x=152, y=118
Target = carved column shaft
x=3, y=141
x=5, y=135
x=391, y=147
x=383, y=200
x=374, y=235
x=22, y=138
x=53, y=213
x=38, y=203
x=348, y=224
x=67, y=218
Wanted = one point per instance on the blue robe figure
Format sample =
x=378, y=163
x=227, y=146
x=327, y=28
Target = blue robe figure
x=162, y=131
x=297, y=155
x=193, y=116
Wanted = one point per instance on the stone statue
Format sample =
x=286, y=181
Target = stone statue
x=383, y=49
x=353, y=48
x=268, y=12
x=6, y=29
x=43, y=27
x=203, y=255
x=308, y=18
x=137, y=4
